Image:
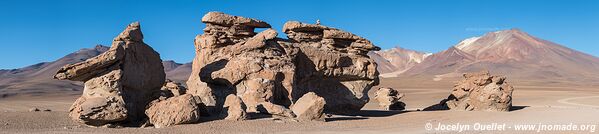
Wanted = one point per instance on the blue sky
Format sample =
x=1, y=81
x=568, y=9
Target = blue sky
x=33, y=31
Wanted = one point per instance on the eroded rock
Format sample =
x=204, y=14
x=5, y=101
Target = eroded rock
x=388, y=99
x=232, y=59
x=309, y=107
x=172, y=89
x=172, y=111
x=333, y=64
x=262, y=69
x=481, y=92
x=276, y=110
x=234, y=108
x=119, y=83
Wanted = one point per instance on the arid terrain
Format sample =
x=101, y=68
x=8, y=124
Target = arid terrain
x=312, y=81
x=533, y=103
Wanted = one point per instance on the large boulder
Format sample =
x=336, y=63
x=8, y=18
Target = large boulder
x=333, y=64
x=175, y=110
x=232, y=59
x=119, y=83
x=263, y=69
x=309, y=107
x=388, y=99
x=481, y=92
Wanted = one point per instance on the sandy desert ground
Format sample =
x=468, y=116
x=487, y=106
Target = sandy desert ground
x=537, y=105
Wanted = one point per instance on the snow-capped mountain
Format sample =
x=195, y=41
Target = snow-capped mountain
x=513, y=53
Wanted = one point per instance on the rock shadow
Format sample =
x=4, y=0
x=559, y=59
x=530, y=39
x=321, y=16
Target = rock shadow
x=516, y=108
x=437, y=107
x=344, y=118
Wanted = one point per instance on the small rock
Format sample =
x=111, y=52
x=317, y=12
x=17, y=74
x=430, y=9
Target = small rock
x=234, y=108
x=47, y=110
x=388, y=99
x=34, y=110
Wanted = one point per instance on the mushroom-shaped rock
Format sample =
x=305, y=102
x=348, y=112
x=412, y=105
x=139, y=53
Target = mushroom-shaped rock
x=481, y=92
x=328, y=65
x=232, y=59
x=309, y=107
x=119, y=83
x=388, y=99
x=261, y=68
x=172, y=111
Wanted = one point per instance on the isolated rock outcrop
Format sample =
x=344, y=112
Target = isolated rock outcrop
x=309, y=107
x=175, y=110
x=119, y=83
x=481, y=92
x=388, y=99
x=333, y=64
x=263, y=69
x=234, y=108
x=232, y=59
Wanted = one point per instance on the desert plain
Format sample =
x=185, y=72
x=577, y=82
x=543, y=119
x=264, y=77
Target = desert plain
x=534, y=103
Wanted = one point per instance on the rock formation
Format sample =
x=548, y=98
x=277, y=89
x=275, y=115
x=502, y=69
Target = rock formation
x=235, y=71
x=175, y=110
x=265, y=70
x=388, y=99
x=309, y=107
x=119, y=83
x=481, y=92
x=276, y=110
x=333, y=64
x=172, y=89
x=232, y=59
x=234, y=108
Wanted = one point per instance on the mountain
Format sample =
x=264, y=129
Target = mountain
x=513, y=53
x=394, y=61
x=37, y=79
x=176, y=71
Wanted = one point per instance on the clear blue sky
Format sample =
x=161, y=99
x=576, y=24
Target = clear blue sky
x=33, y=31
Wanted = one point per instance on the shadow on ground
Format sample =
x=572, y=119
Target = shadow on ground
x=365, y=114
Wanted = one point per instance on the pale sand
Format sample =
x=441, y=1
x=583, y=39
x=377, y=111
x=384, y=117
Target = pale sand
x=534, y=104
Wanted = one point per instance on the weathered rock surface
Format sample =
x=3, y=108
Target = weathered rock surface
x=263, y=69
x=388, y=99
x=276, y=110
x=333, y=64
x=172, y=89
x=309, y=107
x=172, y=111
x=234, y=108
x=481, y=92
x=232, y=59
x=119, y=83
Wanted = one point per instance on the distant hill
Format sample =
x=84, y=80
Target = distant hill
x=37, y=79
x=394, y=61
x=513, y=53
